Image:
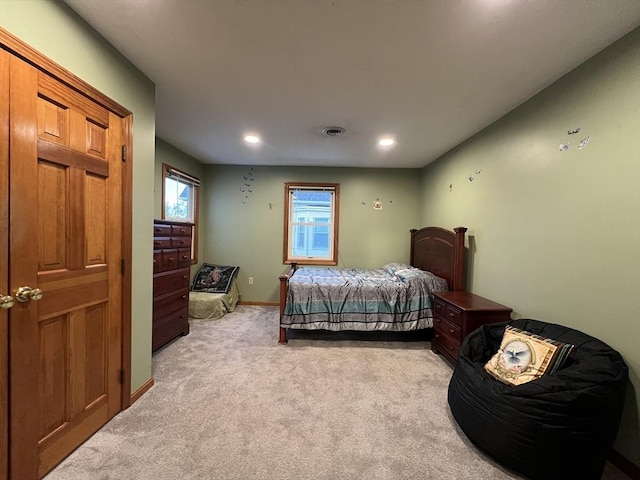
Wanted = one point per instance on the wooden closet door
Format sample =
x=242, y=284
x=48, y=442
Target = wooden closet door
x=65, y=217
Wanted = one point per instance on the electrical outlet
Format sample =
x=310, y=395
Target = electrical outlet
x=250, y=280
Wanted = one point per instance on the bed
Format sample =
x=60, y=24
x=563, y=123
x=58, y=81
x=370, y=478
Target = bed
x=394, y=297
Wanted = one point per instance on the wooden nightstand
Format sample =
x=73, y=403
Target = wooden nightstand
x=456, y=314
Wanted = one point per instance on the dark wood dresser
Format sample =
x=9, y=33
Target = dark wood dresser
x=456, y=314
x=171, y=276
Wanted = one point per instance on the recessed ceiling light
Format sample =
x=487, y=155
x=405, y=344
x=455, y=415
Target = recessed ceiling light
x=252, y=139
x=386, y=142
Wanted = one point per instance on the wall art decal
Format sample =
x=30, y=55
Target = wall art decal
x=583, y=143
x=247, y=187
x=563, y=147
x=472, y=176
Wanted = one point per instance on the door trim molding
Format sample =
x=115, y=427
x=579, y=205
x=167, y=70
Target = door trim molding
x=17, y=47
x=4, y=255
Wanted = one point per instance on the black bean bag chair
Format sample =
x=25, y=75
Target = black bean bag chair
x=559, y=426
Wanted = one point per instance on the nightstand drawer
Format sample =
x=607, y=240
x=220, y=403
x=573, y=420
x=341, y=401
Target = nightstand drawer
x=446, y=343
x=447, y=328
x=439, y=308
x=453, y=315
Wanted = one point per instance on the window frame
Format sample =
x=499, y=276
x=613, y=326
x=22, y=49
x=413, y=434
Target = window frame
x=169, y=171
x=289, y=240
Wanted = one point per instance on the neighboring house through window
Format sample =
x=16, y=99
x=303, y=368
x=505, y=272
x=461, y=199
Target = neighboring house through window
x=311, y=223
x=180, y=201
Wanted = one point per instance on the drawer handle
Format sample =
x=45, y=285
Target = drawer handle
x=181, y=316
x=154, y=260
x=452, y=314
x=184, y=257
x=451, y=330
x=171, y=259
x=450, y=348
x=158, y=242
x=184, y=277
x=183, y=297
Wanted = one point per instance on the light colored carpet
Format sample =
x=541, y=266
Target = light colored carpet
x=230, y=403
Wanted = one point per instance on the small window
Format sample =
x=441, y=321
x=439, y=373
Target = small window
x=311, y=223
x=180, y=201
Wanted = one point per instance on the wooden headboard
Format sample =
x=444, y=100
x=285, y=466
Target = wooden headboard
x=440, y=251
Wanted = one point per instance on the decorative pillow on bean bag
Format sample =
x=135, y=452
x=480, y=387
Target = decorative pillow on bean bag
x=214, y=278
x=524, y=356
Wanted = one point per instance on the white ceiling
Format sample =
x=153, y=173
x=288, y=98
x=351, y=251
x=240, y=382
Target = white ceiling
x=430, y=73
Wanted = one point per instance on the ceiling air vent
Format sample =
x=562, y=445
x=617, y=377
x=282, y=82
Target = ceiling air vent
x=333, y=131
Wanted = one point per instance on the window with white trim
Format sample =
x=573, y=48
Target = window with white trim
x=180, y=201
x=311, y=223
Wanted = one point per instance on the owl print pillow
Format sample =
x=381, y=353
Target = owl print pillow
x=524, y=356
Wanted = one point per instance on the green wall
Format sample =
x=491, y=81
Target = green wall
x=556, y=234
x=250, y=234
x=167, y=153
x=56, y=31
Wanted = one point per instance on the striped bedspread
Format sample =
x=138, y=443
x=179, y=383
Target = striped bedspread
x=395, y=297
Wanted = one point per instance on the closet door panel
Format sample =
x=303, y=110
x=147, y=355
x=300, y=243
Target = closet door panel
x=65, y=218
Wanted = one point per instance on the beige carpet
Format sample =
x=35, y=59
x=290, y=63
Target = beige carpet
x=230, y=403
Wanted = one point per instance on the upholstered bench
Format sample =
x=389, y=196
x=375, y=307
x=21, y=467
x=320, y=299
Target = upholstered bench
x=561, y=425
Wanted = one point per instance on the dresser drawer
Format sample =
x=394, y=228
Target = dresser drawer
x=161, y=242
x=169, y=281
x=161, y=230
x=180, y=242
x=180, y=231
x=170, y=326
x=447, y=328
x=157, y=261
x=184, y=257
x=170, y=303
x=169, y=259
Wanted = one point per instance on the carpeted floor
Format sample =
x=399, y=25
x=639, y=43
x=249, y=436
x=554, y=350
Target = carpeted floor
x=230, y=403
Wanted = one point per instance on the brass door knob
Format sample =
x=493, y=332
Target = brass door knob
x=6, y=301
x=24, y=294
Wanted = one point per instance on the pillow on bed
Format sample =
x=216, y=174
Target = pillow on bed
x=410, y=272
x=523, y=357
x=392, y=268
x=214, y=278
